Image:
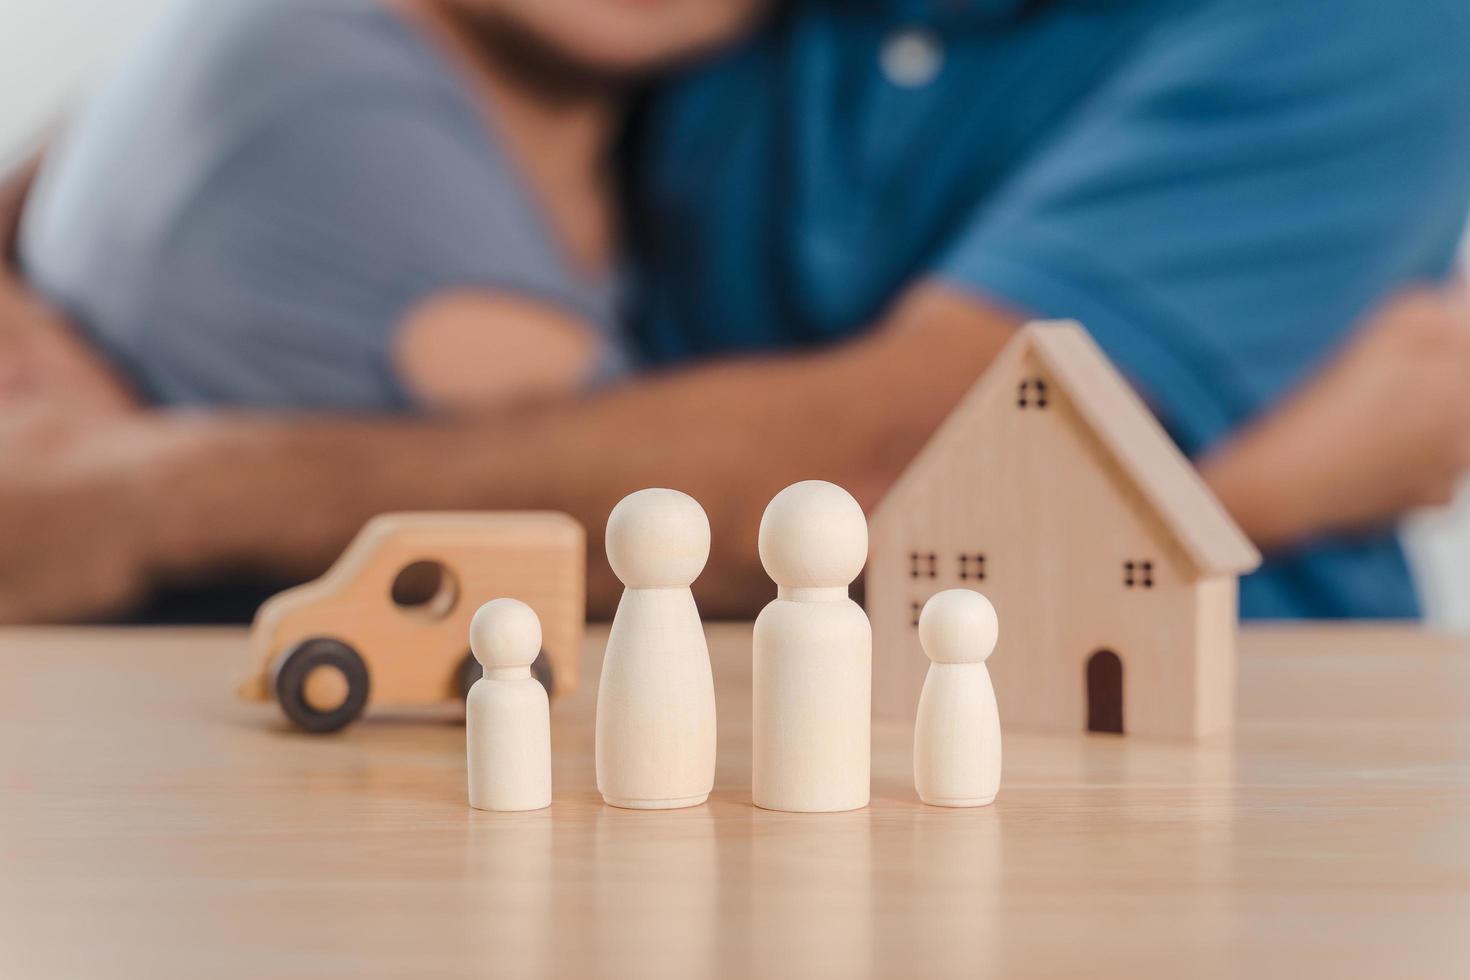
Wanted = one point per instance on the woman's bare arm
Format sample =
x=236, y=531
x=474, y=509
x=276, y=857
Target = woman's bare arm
x=177, y=497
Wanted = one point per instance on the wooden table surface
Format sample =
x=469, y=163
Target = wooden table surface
x=151, y=826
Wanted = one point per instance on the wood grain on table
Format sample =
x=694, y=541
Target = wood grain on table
x=152, y=826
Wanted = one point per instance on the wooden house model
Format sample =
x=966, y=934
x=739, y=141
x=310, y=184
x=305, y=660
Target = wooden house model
x=1112, y=568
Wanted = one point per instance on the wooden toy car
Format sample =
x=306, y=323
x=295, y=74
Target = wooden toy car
x=388, y=624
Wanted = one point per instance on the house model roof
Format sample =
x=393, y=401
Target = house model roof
x=1130, y=435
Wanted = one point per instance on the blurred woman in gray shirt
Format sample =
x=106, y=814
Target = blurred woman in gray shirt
x=345, y=205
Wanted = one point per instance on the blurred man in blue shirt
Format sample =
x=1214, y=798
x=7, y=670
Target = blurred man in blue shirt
x=1218, y=190
x=1253, y=205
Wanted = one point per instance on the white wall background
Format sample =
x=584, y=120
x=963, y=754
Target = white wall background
x=50, y=50
x=1439, y=546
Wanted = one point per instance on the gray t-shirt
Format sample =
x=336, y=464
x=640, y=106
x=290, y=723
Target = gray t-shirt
x=264, y=188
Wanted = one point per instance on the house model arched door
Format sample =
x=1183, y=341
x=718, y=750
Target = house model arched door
x=1105, y=692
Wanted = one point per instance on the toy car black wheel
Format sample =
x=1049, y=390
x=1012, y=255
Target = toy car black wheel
x=322, y=685
x=470, y=671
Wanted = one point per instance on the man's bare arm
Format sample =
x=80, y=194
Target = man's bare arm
x=1381, y=429
x=1347, y=452
x=91, y=515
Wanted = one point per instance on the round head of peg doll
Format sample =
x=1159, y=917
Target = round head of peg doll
x=505, y=633
x=657, y=539
x=958, y=626
x=813, y=536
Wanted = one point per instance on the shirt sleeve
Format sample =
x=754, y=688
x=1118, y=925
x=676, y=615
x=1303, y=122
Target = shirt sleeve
x=1240, y=193
x=288, y=270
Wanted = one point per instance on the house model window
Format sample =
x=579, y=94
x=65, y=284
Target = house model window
x=1032, y=394
x=1138, y=574
x=972, y=566
x=923, y=564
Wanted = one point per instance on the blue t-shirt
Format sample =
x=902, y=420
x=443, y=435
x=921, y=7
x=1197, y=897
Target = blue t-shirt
x=264, y=188
x=1218, y=189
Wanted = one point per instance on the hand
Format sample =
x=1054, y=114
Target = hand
x=76, y=511
x=41, y=356
x=1383, y=429
x=42, y=359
